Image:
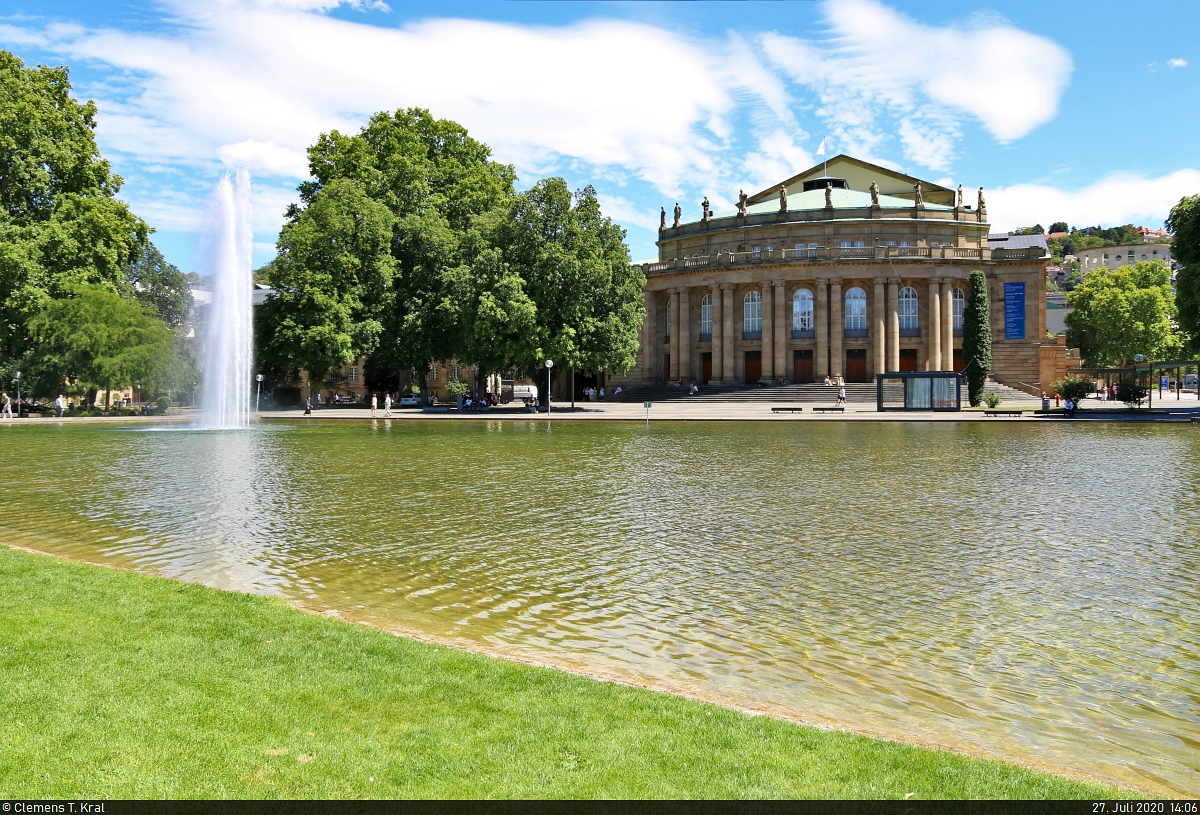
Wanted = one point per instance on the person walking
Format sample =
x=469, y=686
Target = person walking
x=59, y=404
x=374, y=404
x=387, y=404
x=7, y=400
x=841, y=396
x=308, y=406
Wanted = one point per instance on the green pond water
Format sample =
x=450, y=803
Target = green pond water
x=1028, y=591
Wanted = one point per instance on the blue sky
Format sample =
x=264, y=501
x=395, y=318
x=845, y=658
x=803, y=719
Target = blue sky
x=1080, y=111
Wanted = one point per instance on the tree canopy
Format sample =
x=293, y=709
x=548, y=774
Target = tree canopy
x=1119, y=313
x=1184, y=224
x=977, y=337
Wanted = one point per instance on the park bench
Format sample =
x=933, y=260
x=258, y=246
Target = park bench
x=1196, y=420
x=787, y=410
x=1003, y=412
x=829, y=410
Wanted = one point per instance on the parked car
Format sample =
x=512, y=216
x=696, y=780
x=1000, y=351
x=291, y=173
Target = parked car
x=411, y=400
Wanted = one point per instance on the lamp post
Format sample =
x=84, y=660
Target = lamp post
x=257, y=390
x=17, y=377
x=549, y=366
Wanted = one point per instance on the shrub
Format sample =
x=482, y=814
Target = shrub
x=457, y=388
x=1073, y=388
x=162, y=404
x=991, y=399
x=1132, y=394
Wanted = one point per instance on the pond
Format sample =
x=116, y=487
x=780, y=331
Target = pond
x=1024, y=591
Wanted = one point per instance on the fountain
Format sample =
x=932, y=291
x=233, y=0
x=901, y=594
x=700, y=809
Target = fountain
x=228, y=340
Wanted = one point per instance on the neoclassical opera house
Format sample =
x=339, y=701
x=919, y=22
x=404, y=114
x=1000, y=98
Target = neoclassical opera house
x=846, y=269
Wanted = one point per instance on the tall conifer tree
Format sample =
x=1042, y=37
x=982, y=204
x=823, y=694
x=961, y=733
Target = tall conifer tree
x=977, y=338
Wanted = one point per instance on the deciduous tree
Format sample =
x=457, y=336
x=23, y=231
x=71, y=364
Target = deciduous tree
x=1119, y=313
x=1184, y=224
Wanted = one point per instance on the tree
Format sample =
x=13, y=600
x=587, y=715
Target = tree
x=1059, y=226
x=1119, y=313
x=555, y=282
x=977, y=337
x=332, y=280
x=160, y=285
x=1036, y=229
x=1184, y=225
x=93, y=340
x=1073, y=388
x=60, y=222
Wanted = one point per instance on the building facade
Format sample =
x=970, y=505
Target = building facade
x=847, y=271
x=1114, y=257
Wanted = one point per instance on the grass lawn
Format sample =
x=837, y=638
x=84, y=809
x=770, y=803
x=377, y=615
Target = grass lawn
x=116, y=684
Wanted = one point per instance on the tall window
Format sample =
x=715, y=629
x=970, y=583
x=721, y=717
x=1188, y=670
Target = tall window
x=752, y=316
x=433, y=372
x=802, y=310
x=668, y=317
x=706, y=314
x=960, y=304
x=856, y=310
x=812, y=250
x=908, y=310
x=352, y=374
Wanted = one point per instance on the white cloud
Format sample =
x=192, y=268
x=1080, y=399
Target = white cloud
x=879, y=63
x=1177, y=63
x=264, y=157
x=1120, y=198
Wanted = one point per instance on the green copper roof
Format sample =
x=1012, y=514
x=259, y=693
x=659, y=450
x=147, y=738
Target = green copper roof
x=842, y=199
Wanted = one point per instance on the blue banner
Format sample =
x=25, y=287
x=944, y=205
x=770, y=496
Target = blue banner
x=1014, y=311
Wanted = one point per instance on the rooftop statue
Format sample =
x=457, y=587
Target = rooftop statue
x=662, y=219
x=829, y=194
x=782, y=198
x=960, y=196
x=742, y=202
x=704, y=207
x=981, y=210
x=918, y=197
x=678, y=214
x=874, y=194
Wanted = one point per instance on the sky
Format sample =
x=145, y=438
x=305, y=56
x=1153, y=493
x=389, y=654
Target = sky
x=1083, y=112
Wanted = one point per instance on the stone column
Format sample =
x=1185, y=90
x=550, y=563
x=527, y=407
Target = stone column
x=782, y=326
x=673, y=374
x=728, y=343
x=649, y=340
x=893, y=318
x=948, y=324
x=821, y=328
x=879, y=320
x=685, y=336
x=715, y=292
x=837, y=321
x=768, y=358
x=934, y=343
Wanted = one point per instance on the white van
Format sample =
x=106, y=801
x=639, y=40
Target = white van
x=525, y=392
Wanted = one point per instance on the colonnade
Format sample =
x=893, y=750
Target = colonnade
x=828, y=326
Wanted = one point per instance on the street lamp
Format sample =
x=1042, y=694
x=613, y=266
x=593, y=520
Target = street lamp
x=257, y=391
x=17, y=377
x=549, y=366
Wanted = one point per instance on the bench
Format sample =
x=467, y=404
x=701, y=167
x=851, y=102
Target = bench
x=787, y=409
x=1003, y=412
x=829, y=410
x=1196, y=420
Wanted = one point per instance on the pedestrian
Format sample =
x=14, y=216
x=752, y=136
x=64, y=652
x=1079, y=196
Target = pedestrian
x=602, y=393
x=1045, y=402
x=387, y=404
x=308, y=406
x=1069, y=408
x=374, y=404
x=1056, y=398
x=7, y=400
x=841, y=395
x=60, y=404
x=827, y=381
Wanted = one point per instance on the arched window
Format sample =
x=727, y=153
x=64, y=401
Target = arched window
x=908, y=312
x=802, y=310
x=706, y=314
x=856, y=312
x=668, y=317
x=752, y=316
x=960, y=304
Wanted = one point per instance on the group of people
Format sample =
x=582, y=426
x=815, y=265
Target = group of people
x=6, y=405
x=841, y=386
x=593, y=395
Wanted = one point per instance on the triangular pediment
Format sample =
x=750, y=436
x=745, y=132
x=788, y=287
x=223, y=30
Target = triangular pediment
x=859, y=175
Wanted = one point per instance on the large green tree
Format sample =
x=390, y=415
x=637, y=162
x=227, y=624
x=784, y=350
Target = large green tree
x=94, y=339
x=977, y=337
x=160, y=285
x=60, y=222
x=332, y=280
x=1184, y=225
x=1119, y=313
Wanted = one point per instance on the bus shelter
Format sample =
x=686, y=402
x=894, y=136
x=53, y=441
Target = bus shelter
x=918, y=390
x=1180, y=375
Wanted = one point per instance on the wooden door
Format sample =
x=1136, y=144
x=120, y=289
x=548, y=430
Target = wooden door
x=705, y=368
x=753, y=366
x=908, y=359
x=802, y=366
x=958, y=361
x=856, y=365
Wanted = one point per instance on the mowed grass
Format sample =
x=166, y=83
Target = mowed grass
x=116, y=684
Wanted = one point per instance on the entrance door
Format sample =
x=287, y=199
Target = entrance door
x=908, y=359
x=802, y=366
x=753, y=366
x=666, y=367
x=958, y=361
x=705, y=368
x=856, y=364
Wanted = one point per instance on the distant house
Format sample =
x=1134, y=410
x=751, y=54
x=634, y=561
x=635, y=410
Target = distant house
x=1114, y=257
